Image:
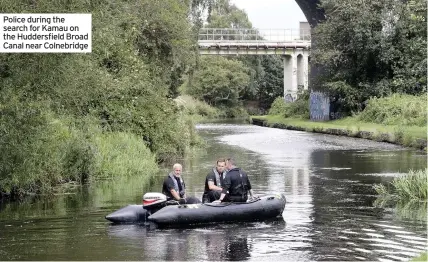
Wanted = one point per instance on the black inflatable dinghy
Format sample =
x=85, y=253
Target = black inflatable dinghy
x=156, y=209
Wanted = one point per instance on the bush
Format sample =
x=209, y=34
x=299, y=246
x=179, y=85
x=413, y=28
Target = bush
x=219, y=81
x=233, y=112
x=59, y=149
x=42, y=150
x=278, y=106
x=398, y=109
x=296, y=109
x=193, y=106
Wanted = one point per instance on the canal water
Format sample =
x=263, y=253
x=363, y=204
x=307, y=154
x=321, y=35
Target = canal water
x=330, y=212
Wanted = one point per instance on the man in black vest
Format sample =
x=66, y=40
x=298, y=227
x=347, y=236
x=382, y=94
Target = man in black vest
x=175, y=189
x=236, y=185
x=214, y=181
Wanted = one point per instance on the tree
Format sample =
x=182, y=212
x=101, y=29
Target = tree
x=371, y=48
x=219, y=81
x=265, y=72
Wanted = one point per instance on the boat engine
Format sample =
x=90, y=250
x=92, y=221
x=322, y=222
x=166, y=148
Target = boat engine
x=152, y=202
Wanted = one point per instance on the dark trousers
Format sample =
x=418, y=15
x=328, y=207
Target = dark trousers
x=229, y=198
x=211, y=196
x=189, y=200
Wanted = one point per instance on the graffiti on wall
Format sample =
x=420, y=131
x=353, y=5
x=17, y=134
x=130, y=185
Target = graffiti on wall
x=319, y=106
x=288, y=98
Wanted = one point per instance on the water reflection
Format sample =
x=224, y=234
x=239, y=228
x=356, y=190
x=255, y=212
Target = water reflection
x=215, y=242
x=344, y=207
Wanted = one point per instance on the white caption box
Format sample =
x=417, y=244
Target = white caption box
x=45, y=33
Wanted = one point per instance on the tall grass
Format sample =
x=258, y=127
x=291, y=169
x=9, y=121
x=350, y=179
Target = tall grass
x=122, y=154
x=408, y=193
x=409, y=187
x=412, y=186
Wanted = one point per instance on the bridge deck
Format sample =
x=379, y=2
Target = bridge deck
x=244, y=40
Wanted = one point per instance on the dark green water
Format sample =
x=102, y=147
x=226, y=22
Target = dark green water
x=329, y=214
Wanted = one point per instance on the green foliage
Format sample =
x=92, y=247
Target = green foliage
x=296, y=109
x=408, y=193
x=278, y=106
x=124, y=154
x=223, y=14
x=192, y=106
x=396, y=110
x=166, y=39
x=410, y=187
x=52, y=107
x=266, y=79
x=60, y=150
x=411, y=136
x=265, y=72
x=219, y=81
x=237, y=111
x=371, y=49
x=42, y=150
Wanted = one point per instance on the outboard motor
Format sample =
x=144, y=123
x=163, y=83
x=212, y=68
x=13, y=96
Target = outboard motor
x=152, y=202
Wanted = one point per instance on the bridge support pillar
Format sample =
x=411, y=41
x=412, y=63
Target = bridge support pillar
x=290, y=77
x=306, y=70
x=296, y=73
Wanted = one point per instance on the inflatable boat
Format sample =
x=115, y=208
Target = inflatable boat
x=155, y=209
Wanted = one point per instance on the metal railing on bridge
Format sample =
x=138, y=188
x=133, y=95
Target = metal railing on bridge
x=253, y=35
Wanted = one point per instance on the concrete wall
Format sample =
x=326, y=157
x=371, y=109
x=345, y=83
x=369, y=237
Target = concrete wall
x=305, y=30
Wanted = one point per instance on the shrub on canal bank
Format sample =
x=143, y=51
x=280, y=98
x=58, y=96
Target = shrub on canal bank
x=297, y=109
x=202, y=111
x=196, y=108
x=398, y=109
x=56, y=151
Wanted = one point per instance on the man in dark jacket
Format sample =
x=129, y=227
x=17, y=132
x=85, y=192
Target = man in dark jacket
x=175, y=189
x=236, y=185
x=214, y=181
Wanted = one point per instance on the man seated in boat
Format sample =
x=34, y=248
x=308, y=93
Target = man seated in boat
x=174, y=187
x=213, y=182
x=236, y=185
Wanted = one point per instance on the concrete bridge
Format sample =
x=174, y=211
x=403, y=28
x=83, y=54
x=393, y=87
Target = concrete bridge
x=292, y=44
x=319, y=102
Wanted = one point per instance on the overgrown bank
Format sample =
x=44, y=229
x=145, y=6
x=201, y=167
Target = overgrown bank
x=110, y=113
x=399, y=119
